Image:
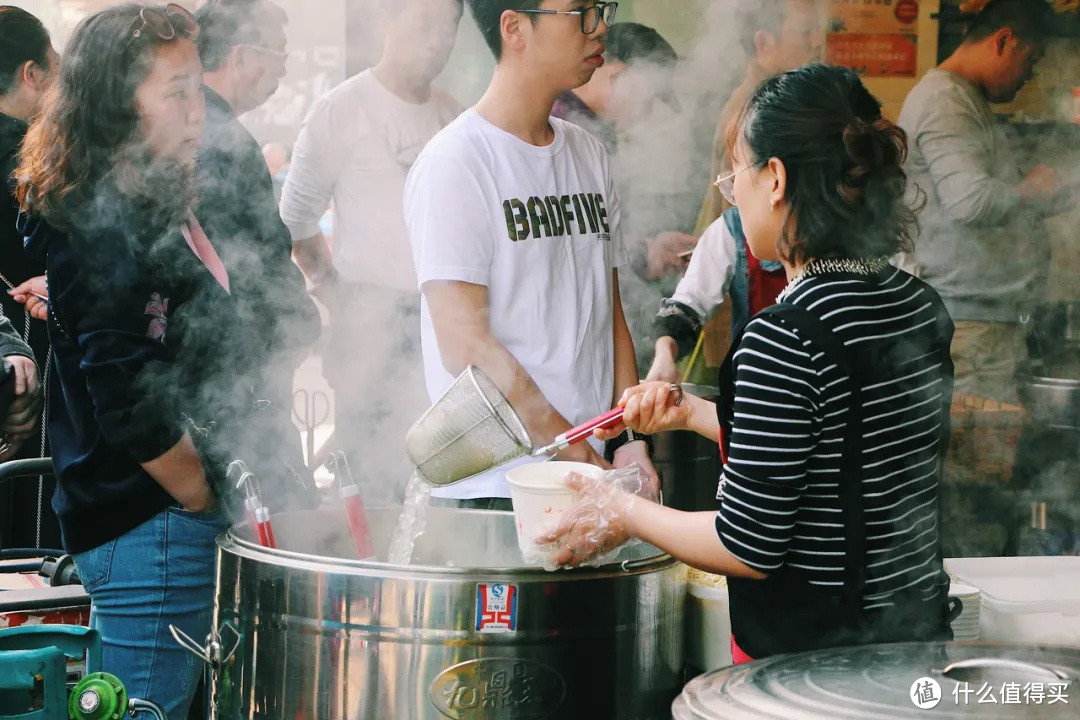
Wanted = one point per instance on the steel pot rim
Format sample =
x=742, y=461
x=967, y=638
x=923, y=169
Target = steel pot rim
x=818, y=685
x=1036, y=380
x=229, y=541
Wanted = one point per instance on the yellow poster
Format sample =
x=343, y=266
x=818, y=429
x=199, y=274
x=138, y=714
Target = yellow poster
x=878, y=17
x=877, y=38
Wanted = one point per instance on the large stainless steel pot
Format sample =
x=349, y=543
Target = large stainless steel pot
x=466, y=632
x=1054, y=326
x=688, y=464
x=1049, y=388
x=879, y=682
x=1049, y=383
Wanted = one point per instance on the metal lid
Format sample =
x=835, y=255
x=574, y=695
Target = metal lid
x=885, y=681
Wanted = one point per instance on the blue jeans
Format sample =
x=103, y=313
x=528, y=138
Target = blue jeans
x=159, y=574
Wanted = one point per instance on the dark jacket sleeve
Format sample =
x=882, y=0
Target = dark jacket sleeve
x=681, y=322
x=10, y=342
x=117, y=321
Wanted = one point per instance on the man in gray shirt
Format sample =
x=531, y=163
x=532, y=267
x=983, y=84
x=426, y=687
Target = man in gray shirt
x=982, y=244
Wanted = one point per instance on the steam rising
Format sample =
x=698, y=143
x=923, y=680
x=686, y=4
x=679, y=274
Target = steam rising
x=661, y=168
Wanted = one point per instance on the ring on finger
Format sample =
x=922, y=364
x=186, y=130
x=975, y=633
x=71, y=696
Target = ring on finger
x=679, y=394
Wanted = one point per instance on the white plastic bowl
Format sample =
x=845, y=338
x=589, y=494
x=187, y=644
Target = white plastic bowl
x=540, y=495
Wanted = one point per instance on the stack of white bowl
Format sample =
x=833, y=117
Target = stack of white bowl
x=966, y=625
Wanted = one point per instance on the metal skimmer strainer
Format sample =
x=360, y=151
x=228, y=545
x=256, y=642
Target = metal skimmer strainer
x=469, y=430
x=472, y=428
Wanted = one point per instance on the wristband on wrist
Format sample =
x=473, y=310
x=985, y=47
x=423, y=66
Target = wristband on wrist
x=627, y=437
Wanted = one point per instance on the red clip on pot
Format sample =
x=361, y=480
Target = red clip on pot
x=258, y=515
x=354, y=506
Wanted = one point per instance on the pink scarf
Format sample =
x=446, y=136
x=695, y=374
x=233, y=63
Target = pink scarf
x=200, y=245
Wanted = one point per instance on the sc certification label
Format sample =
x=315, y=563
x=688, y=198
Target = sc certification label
x=496, y=608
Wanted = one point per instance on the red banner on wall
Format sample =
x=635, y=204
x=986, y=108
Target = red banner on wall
x=876, y=55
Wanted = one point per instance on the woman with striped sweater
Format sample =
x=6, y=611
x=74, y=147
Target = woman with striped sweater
x=835, y=415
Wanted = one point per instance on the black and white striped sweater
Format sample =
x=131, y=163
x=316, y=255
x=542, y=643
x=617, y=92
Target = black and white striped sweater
x=778, y=499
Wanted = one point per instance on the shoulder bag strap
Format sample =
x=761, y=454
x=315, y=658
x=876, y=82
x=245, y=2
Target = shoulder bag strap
x=821, y=337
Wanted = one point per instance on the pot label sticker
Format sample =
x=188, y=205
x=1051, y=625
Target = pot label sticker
x=496, y=608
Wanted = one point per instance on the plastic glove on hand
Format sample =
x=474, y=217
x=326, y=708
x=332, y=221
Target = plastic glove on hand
x=597, y=524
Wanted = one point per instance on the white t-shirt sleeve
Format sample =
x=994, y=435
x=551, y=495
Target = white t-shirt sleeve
x=619, y=255
x=449, y=220
x=712, y=266
x=318, y=158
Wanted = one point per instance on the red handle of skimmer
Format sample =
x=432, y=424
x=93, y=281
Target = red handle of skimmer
x=584, y=430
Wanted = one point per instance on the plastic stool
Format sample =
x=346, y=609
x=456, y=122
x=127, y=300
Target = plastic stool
x=74, y=640
x=36, y=655
x=33, y=677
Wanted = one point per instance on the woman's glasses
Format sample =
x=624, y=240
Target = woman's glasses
x=726, y=183
x=590, y=16
x=175, y=21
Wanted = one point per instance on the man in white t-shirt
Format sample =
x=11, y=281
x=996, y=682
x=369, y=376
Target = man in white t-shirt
x=515, y=231
x=355, y=150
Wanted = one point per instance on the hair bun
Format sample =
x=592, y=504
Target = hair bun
x=871, y=146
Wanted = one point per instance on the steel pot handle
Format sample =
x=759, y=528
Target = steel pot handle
x=211, y=653
x=631, y=565
x=136, y=706
x=1051, y=674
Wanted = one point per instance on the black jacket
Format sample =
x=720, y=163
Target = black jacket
x=238, y=209
x=137, y=325
x=26, y=519
x=16, y=265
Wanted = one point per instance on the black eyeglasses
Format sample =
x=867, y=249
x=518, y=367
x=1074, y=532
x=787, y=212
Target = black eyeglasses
x=167, y=24
x=590, y=16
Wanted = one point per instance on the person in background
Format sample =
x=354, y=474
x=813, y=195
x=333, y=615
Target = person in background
x=982, y=243
x=618, y=107
x=516, y=231
x=242, y=47
x=835, y=403
x=355, y=149
x=139, y=308
x=28, y=64
x=639, y=67
x=722, y=266
x=777, y=35
x=20, y=417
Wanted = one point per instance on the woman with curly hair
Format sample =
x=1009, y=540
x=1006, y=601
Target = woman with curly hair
x=138, y=304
